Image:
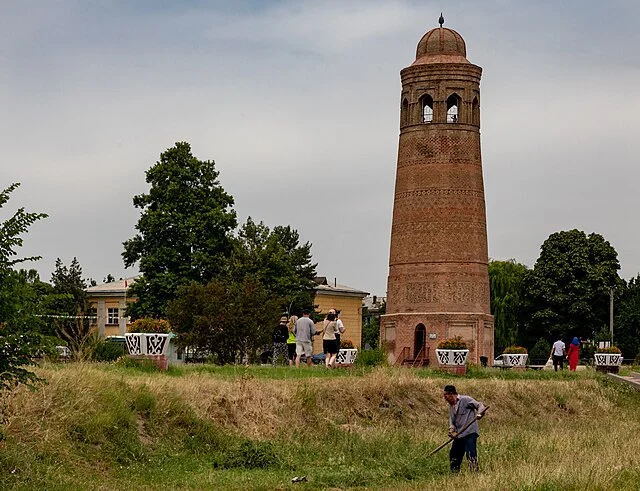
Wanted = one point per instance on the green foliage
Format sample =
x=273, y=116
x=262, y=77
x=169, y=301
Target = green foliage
x=108, y=351
x=183, y=231
x=275, y=259
x=567, y=291
x=540, y=350
x=251, y=454
x=455, y=342
x=146, y=324
x=627, y=320
x=506, y=288
x=516, y=350
x=371, y=358
x=19, y=298
x=228, y=320
x=371, y=325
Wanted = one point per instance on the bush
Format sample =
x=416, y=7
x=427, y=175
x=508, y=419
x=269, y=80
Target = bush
x=371, y=358
x=146, y=324
x=516, y=350
x=346, y=344
x=540, y=350
x=108, y=351
x=610, y=349
x=452, y=343
x=636, y=361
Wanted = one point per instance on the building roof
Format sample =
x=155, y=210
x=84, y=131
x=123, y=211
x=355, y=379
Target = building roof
x=324, y=287
x=441, y=45
x=118, y=287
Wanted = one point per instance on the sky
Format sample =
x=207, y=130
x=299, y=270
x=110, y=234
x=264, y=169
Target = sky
x=298, y=104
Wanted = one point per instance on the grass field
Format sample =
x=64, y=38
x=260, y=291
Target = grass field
x=103, y=426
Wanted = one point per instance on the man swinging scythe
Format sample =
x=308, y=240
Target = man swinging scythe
x=464, y=413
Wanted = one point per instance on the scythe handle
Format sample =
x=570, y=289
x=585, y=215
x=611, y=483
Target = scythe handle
x=461, y=431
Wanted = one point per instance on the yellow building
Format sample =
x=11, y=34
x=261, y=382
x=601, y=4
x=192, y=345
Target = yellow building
x=108, y=303
x=345, y=299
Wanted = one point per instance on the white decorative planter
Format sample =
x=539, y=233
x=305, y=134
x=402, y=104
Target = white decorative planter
x=135, y=343
x=452, y=357
x=608, y=359
x=156, y=344
x=346, y=357
x=514, y=359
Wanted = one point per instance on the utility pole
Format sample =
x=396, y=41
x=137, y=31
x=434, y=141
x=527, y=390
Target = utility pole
x=611, y=313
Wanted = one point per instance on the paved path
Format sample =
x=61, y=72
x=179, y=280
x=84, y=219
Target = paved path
x=632, y=380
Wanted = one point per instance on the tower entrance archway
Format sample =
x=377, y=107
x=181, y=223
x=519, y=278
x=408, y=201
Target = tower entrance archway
x=419, y=339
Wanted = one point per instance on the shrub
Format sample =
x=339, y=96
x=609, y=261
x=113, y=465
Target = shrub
x=371, y=358
x=346, y=344
x=452, y=343
x=610, y=349
x=540, y=350
x=108, y=351
x=636, y=361
x=146, y=324
x=516, y=350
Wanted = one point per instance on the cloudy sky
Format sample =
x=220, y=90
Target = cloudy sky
x=298, y=103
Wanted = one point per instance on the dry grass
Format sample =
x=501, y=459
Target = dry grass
x=570, y=432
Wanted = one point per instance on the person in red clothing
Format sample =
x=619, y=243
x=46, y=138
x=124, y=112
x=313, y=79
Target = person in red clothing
x=573, y=353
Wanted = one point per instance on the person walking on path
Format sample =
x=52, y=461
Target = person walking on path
x=573, y=353
x=558, y=354
x=329, y=342
x=304, y=330
x=279, y=339
x=462, y=411
x=291, y=340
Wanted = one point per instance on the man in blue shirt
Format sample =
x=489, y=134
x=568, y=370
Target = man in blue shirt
x=463, y=410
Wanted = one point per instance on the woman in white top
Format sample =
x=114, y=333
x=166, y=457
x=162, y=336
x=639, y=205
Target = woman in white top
x=329, y=342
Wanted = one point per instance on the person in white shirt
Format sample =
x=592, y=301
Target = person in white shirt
x=558, y=354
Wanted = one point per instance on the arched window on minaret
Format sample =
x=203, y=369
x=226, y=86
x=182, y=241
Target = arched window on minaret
x=453, y=108
x=426, y=102
x=475, y=112
x=404, y=113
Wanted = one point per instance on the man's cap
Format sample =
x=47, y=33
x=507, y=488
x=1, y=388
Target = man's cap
x=306, y=312
x=283, y=318
x=450, y=389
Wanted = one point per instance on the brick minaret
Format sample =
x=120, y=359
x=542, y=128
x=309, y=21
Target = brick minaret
x=438, y=284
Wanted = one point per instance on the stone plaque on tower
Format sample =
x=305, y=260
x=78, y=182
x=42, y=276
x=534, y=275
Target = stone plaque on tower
x=438, y=285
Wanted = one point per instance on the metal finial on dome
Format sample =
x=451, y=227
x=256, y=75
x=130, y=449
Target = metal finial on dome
x=441, y=19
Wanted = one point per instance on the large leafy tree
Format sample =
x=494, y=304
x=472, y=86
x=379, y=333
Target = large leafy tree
x=276, y=260
x=229, y=320
x=626, y=333
x=506, y=287
x=18, y=343
x=567, y=291
x=184, y=230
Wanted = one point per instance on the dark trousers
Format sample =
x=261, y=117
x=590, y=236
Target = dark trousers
x=557, y=360
x=338, y=342
x=461, y=446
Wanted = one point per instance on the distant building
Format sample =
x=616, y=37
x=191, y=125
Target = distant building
x=108, y=303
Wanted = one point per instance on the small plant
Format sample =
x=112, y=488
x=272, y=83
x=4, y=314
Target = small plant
x=371, y=358
x=452, y=343
x=346, y=344
x=515, y=350
x=146, y=324
x=610, y=349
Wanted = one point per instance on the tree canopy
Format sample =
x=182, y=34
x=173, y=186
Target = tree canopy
x=626, y=331
x=567, y=291
x=183, y=230
x=506, y=287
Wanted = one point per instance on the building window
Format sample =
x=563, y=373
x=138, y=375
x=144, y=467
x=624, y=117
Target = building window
x=475, y=112
x=427, y=109
x=112, y=315
x=453, y=108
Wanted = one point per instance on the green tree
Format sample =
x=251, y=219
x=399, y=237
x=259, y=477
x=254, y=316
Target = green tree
x=506, y=285
x=228, y=320
x=68, y=305
x=567, y=291
x=18, y=343
x=276, y=260
x=626, y=331
x=183, y=230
